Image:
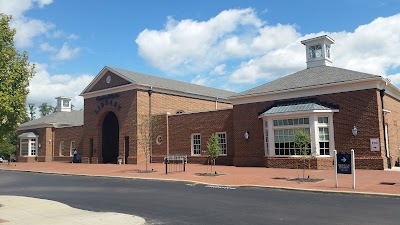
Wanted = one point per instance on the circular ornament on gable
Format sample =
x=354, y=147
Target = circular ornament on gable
x=159, y=140
x=108, y=79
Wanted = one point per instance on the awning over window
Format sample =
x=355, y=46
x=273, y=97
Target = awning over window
x=297, y=107
x=28, y=135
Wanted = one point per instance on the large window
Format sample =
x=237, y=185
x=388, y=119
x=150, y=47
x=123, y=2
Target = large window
x=222, y=142
x=280, y=131
x=196, y=144
x=28, y=147
x=284, y=141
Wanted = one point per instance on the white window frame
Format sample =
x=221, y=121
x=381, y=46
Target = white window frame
x=72, y=148
x=29, y=141
x=61, y=149
x=193, y=144
x=220, y=144
x=268, y=128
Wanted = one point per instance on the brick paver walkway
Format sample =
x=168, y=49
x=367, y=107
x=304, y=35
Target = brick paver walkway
x=367, y=181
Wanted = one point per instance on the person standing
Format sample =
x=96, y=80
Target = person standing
x=75, y=156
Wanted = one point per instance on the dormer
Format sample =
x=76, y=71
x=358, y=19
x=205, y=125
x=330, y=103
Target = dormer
x=318, y=51
x=63, y=104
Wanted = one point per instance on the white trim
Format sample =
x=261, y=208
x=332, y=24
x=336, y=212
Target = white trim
x=61, y=151
x=70, y=148
x=347, y=86
x=192, y=144
x=46, y=125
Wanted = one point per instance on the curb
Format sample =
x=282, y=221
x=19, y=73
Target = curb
x=377, y=194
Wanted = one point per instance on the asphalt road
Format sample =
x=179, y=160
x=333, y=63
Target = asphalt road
x=161, y=202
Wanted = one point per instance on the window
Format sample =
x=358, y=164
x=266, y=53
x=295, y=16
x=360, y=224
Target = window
x=222, y=142
x=24, y=147
x=284, y=142
x=328, y=51
x=180, y=112
x=61, y=153
x=323, y=135
x=291, y=122
x=72, y=148
x=28, y=146
x=196, y=144
x=33, y=146
x=315, y=51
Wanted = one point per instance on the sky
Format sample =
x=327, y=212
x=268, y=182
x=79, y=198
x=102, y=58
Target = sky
x=229, y=44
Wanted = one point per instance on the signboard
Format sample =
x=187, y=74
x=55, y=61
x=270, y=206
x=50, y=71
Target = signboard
x=374, y=144
x=344, y=163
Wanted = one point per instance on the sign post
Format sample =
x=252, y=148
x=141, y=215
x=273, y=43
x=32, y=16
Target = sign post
x=345, y=164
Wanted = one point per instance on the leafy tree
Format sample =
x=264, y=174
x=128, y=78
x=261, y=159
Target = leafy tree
x=46, y=109
x=303, y=140
x=15, y=73
x=32, y=111
x=213, y=148
x=146, y=126
x=7, y=146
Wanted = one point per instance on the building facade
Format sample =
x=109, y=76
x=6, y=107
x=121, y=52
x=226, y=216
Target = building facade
x=340, y=109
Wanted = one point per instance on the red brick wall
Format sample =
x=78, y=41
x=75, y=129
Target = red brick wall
x=360, y=108
x=393, y=121
x=67, y=134
x=134, y=105
x=206, y=123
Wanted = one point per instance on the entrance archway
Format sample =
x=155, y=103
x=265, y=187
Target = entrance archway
x=110, y=131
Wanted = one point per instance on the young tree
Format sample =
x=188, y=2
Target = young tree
x=7, y=146
x=213, y=148
x=46, y=109
x=303, y=140
x=146, y=126
x=15, y=73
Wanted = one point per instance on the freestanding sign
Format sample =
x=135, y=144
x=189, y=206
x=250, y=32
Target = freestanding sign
x=344, y=163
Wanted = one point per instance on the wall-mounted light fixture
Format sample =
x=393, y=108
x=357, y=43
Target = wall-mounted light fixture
x=246, y=135
x=40, y=145
x=354, y=130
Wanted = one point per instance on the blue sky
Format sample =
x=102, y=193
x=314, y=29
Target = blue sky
x=234, y=45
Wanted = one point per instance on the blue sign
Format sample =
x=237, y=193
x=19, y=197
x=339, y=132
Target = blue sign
x=343, y=163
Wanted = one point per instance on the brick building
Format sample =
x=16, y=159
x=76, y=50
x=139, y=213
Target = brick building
x=340, y=109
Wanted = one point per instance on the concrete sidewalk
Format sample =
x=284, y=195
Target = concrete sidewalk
x=17, y=210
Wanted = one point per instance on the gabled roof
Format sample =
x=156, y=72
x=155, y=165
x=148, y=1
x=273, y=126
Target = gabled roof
x=57, y=119
x=166, y=84
x=298, y=107
x=308, y=78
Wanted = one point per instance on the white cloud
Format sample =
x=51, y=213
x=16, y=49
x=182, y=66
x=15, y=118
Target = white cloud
x=190, y=46
x=46, y=47
x=200, y=80
x=43, y=3
x=27, y=29
x=15, y=8
x=66, y=52
x=264, y=52
x=219, y=70
x=45, y=87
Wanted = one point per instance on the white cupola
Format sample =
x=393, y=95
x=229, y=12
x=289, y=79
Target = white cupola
x=63, y=104
x=318, y=51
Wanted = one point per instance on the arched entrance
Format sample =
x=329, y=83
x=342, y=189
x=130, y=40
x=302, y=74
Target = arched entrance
x=110, y=141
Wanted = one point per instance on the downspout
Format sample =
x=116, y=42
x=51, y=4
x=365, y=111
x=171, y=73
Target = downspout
x=216, y=103
x=382, y=94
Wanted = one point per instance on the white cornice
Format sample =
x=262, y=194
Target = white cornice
x=311, y=91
